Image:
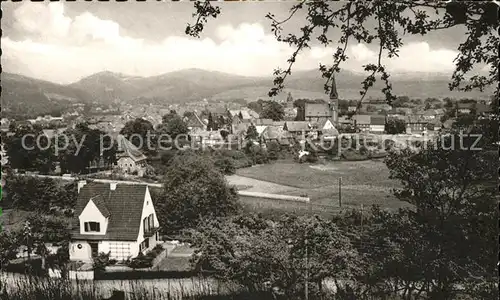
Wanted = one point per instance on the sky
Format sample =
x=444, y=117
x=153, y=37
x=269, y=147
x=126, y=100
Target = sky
x=63, y=42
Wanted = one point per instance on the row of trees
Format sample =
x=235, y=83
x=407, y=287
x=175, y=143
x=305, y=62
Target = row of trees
x=29, y=149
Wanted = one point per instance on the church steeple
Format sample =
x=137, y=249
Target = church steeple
x=334, y=100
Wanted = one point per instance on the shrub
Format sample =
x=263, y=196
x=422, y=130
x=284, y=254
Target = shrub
x=225, y=165
x=142, y=261
x=273, y=150
x=101, y=262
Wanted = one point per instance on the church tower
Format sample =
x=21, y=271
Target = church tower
x=334, y=101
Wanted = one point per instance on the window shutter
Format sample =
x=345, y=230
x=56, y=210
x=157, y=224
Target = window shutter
x=86, y=226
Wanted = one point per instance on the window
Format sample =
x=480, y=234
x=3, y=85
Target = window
x=144, y=245
x=92, y=226
x=119, y=251
x=148, y=223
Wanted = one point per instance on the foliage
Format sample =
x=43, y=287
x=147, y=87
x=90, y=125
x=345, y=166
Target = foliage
x=453, y=192
x=25, y=149
x=172, y=125
x=394, y=19
x=395, y=126
x=38, y=194
x=251, y=134
x=101, y=262
x=139, y=132
x=272, y=110
x=256, y=106
x=273, y=150
x=83, y=147
x=194, y=189
x=141, y=261
x=255, y=252
x=256, y=153
x=9, y=245
x=225, y=165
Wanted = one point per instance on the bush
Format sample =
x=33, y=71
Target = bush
x=101, y=262
x=142, y=261
x=273, y=150
x=225, y=165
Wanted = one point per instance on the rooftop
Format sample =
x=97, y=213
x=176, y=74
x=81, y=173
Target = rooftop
x=123, y=206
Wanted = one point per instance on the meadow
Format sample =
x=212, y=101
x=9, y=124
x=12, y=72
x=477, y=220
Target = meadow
x=364, y=183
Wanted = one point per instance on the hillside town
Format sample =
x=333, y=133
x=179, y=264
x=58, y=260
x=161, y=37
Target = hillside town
x=135, y=175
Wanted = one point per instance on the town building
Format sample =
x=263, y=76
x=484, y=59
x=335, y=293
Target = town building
x=130, y=160
x=113, y=218
x=195, y=123
x=316, y=112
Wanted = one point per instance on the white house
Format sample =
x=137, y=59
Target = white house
x=130, y=159
x=118, y=219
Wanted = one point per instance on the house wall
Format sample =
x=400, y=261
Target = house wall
x=128, y=165
x=328, y=125
x=377, y=128
x=80, y=251
x=119, y=250
x=92, y=214
x=147, y=209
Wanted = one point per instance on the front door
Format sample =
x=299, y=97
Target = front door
x=94, y=248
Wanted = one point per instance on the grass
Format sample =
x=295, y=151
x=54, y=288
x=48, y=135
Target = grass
x=24, y=287
x=364, y=183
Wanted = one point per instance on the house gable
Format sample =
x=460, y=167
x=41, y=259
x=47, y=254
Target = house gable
x=124, y=204
x=92, y=213
x=147, y=210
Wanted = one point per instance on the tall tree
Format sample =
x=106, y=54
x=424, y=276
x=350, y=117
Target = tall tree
x=273, y=110
x=453, y=191
x=84, y=147
x=139, y=129
x=251, y=134
x=26, y=149
x=173, y=125
x=395, y=126
x=194, y=190
x=211, y=126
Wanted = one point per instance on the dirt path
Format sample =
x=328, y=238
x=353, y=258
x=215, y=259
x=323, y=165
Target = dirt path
x=260, y=185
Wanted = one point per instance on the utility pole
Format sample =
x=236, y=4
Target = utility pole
x=361, y=242
x=340, y=192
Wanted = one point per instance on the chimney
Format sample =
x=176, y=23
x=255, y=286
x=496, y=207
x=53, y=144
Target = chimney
x=112, y=186
x=81, y=184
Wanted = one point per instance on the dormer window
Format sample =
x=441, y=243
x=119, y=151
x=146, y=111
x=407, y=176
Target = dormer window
x=92, y=226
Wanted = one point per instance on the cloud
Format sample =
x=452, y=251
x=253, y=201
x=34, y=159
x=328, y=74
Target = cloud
x=412, y=57
x=63, y=49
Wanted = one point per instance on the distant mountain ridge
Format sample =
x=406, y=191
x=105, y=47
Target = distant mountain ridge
x=22, y=92
x=195, y=84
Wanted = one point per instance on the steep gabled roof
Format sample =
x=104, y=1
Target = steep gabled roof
x=377, y=120
x=467, y=105
x=362, y=119
x=317, y=110
x=123, y=206
x=296, y=126
x=101, y=205
x=126, y=148
x=195, y=121
x=263, y=122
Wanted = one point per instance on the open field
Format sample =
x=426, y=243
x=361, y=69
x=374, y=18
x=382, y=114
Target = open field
x=363, y=183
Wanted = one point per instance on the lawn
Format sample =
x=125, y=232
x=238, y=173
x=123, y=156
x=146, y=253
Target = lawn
x=363, y=183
